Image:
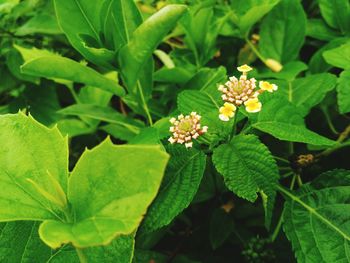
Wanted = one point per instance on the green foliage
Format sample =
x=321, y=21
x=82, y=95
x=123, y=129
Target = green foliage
x=282, y=120
x=184, y=174
x=149, y=76
x=343, y=90
x=316, y=218
x=42, y=191
x=283, y=31
x=248, y=168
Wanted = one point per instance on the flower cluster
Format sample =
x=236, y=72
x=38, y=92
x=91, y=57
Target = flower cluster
x=186, y=128
x=236, y=92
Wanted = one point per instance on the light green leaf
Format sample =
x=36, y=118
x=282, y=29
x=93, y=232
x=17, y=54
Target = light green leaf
x=180, y=184
x=338, y=57
x=79, y=22
x=248, y=168
x=108, y=194
x=34, y=182
x=121, y=250
x=289, y=71
x=343, y=92
x=145, y=40
x=196, y=100
x=317, y=219
x=307, y=92
x=282, y=32
x=282, y=120
x=103, y=113
x=39, y=24
x=20, y=243
x=336, y=13
x=37, y=61
x=120, y=20
x=247, y=13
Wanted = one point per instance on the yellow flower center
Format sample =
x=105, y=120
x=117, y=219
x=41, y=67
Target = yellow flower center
x=253, y=105
x=185, y=125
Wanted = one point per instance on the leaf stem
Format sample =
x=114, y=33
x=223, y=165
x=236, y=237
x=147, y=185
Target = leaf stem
x=234, y=127
x=144, y=104
x=281, y=159
x=280, y=221
x=255, y=50
x=329, y=121
x=82, y=257
x=342, y=137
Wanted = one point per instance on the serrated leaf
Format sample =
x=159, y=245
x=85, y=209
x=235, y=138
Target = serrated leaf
x=179, y=186
x=20, y=243
x=317, y=219
x=144, y=41
x=121, y=250
x=34, y=182
x=108, y=194
x=282, y=32
x=248, y=168
x=343, y=92
x=281, y=119
x=339, y=56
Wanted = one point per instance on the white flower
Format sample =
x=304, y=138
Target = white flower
x=186, y=128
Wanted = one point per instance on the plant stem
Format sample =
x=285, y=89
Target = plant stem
x=281, y=159
x=255, y=50
x=234, y=127
x=82, y=257
x=144, y=104
x=280, y=221
x=329, y=121
x=299, y=181
x=342, y=137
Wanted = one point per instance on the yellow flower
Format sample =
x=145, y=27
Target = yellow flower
x=227, y=111
x=252, y=105
x=244, y=68
x=264, y=85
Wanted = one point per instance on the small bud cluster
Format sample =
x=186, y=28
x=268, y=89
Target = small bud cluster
x=240, y=91
x=186, y=128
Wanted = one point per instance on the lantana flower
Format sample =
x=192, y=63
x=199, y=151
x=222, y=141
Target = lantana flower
x=242, y=91
x=186, y=128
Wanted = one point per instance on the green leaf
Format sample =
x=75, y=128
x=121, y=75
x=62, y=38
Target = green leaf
x=79, y=22
x=34, y=183
x=39, y=24
x=289, y=71
x=248, y=168
x=196, y=100
x=180, y=184
x=316, y=28
x=282, y=120
x=307, y=92
x=103, y=113
x=282, y=32
x=343, y=92
x=36, y=62
x=120, y=20
x=145, y=40
x=247, y=13
x=336, y=13
x=121, y=250
x=338, y=57
x=20, y=243
x=316, y=219
x=108, y=194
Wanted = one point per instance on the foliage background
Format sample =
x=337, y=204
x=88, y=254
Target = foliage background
x=195, y=218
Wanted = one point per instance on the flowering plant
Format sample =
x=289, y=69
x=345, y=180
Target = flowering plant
x=122, y=138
